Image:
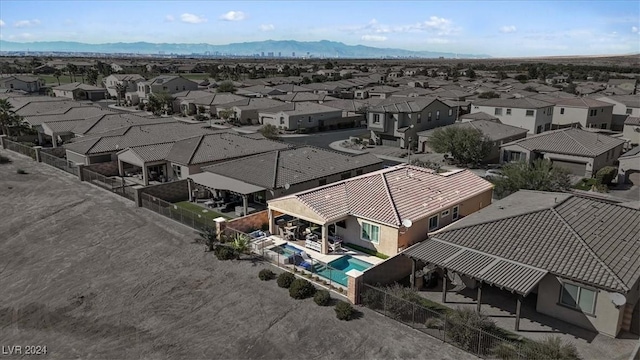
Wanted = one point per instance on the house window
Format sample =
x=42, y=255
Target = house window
x=177, y=171
x=376, y=118
x=603, y=126
x=529, y=113
x=450, y=112
x=444, y=213
x=429, y=116
x=322, y=182
x=593, y=112
x=433, y=222
x=438, y=115
x=370, y=232
x=538, y=129
x=359, y=172
x=547, y=126
x=345, y=176
x=281, y=120
x=508, y=111
x=629, y=111
x=561, y=111
x=455, y=212
x=419, y=118
x=578, y=297
x=498, y=111
x=164, y=88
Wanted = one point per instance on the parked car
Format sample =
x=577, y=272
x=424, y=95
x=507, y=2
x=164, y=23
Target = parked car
x=493, y=173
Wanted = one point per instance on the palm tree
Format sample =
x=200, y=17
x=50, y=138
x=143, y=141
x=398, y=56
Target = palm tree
x=57, y=75
x=9, y=120
x=72, y=70
x=241, y=244
x=121, y=89
x=209, y=237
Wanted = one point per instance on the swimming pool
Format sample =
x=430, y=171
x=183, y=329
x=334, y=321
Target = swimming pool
x=337, y=269
x=286, y=250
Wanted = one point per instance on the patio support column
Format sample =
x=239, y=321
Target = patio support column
x=444, y=285
x=413, y=273
x=518, y=306
x=120, y=168
x=54, y=140
x=245, y=204
x=40, y=140
x=479, y=295
x=190, y=190
x=145, y=175
x=325, y=242
x=272, y=228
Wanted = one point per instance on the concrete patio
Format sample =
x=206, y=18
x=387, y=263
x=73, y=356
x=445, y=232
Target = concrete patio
x=500, y=306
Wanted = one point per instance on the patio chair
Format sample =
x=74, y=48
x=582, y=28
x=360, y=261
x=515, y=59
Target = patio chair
x=307, y=262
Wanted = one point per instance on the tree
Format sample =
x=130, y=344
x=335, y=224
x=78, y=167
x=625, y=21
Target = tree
x=502, y=75
x=540, y=175
x=72, y=70
x=241, y=244
x=471, y=74
x=154, y=105
x=226, y=114
x=10, y=122
x=270, y=131
x=208, y=237
x=57, y=75
x=466, y=145
x=426, y=164
x=226, y=87
x=489, y=95
x=92, y=76
x=328, y=65
x=121, y=90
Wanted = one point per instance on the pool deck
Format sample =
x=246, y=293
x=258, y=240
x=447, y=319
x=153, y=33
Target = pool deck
x=373, y=260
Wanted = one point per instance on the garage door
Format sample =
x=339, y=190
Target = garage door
x=389, y=140
x=633, y=177
x=575, y=168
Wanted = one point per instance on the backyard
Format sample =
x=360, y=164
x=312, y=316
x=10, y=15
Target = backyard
x=86, y=273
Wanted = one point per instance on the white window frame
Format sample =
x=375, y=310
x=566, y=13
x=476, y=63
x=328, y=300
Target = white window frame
x=376, y=118
x=576, y=305
x=497, y=111
x=437, y=222
x=508, y=111
x=455, y=212
x=530, y=112
x=445, y=213
x=370, y=225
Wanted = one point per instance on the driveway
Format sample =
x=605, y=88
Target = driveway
x=89, y=275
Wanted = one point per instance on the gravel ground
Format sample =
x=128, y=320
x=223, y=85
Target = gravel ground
x=89, y=275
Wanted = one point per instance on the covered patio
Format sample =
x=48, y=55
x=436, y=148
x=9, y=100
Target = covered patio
x=148, y=162
x=314, y=234
x=226, y=194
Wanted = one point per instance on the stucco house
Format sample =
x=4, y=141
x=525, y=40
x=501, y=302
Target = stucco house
x=301, y=115
x=396, y=121
x=386, y=210
x=79, y=91
x=581, y=152
x=534, y=115
x=583, y=111
x=169, y=84
x=631, y=130
x=623, y=106
x=629, y=167
x=30, y=84
x=247, y=110
x=129, y=81
x=621, y=86
x=577, y=257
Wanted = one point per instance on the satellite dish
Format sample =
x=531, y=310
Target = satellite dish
x=617, y=299
x=287, y=186
x=407, y=223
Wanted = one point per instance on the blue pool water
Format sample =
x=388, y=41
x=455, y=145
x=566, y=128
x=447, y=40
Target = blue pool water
x=337, y=269
x=286, y=250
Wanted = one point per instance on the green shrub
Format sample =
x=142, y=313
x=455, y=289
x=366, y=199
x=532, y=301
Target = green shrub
x=285, y=279
x=301, y=289
x=372, y=298
x=266, y=274
x=505, y=351
x=551, y=347
x=606, y=175
x=225, y=253
x=366, y=251
x=21, y=172
x=344, y=311
x=4, y=160
x=322, y=297
x=463, y=327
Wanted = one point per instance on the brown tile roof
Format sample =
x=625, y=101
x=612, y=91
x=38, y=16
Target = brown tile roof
x=569, y=141
x=491, y=129
x=632, y=120
x=390, y=195
x=582, y=239
x=582, y=102
x=521, y=103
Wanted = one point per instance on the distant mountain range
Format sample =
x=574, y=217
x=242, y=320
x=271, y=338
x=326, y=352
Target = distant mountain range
x=286, y=48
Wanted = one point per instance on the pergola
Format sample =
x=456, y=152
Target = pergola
x=505, y=274
x=219, y=182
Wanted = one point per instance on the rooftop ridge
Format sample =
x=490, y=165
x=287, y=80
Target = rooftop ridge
x=566, y=133
x=396, y=214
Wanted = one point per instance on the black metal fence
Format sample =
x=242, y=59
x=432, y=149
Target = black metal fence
x=177, y=213
x=20, y=148
x=115, y=185
x=60, y=163
x=443, y=326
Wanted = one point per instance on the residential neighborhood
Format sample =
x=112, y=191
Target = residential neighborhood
x=254, y=200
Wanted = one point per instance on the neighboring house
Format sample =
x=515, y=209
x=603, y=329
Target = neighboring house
x=246, y=110
x=304, y=96
x=396, y=121
x=581, y=152
x=496, y=132
x=631, y=130
x=257, y=91
x=578, y=257
x=629, y=167
x=585, y=112
x=164, y=84
x=621, y=86
x=376, y=92
x=44, y=69
x=387, y=210
x=477, y=116
x=623, y=106
x=301, y=115
x=30, y=84
x=128, y=81
x=283, y=172
x=191, y=101
x=79, y=91
x=527, y=113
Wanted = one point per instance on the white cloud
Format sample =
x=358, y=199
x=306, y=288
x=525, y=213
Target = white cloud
x=169, y=18
x=26, y=23
x=233, y=16
x=22, y=36
x=507, y=29
x=2, y=23
x=192, y=19
x=634, y=29
x=267, y=27
x=373, y=38
x=439, y=26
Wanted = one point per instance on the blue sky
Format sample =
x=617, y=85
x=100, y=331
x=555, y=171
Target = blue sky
x=498, y=28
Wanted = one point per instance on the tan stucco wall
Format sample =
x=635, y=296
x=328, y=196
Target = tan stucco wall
x=519, y=117
x=77, y=158
x=387, y=245
x=632, y=132
x=607, y=318
x=389, y=271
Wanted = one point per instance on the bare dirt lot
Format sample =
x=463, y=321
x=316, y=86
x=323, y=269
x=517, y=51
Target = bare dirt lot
x=89, y=275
